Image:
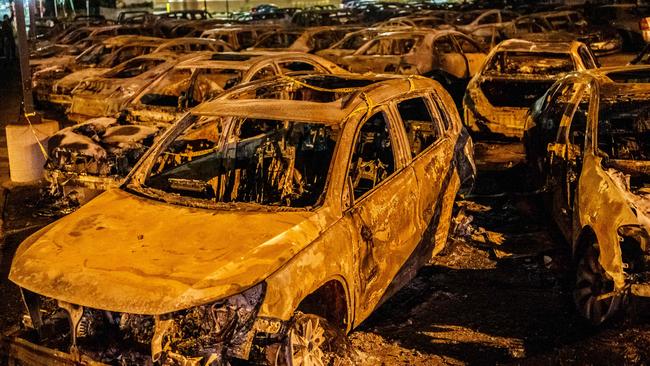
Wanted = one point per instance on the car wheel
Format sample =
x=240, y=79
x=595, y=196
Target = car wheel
x=308, y=341
x=591, y=283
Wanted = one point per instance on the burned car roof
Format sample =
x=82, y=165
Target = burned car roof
x=328, y=113
x=345, y=94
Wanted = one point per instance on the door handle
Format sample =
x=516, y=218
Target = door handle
x=366, y=233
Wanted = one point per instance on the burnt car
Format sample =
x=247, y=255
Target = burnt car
x=94, y=61
x=106, y=94
x=566, y=26
x=449, y=57
x=237, y=37
x=100, y=162
x=515, y=74
x=307, y=40
x=307, y=214
x=593, y=129
x=484, y=25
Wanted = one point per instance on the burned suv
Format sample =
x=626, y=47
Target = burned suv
x=250, y=227
x=594, y=128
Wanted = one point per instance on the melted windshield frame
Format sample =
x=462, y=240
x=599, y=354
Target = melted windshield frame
x=136, y=180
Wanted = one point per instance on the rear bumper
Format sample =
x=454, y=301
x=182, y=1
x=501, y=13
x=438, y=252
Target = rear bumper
x=19, y=351
x=486, y=121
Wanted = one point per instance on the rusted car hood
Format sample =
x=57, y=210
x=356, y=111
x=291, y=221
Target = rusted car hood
x=125, y=253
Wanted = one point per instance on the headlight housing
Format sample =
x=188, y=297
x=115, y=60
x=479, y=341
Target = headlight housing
x=210, y=331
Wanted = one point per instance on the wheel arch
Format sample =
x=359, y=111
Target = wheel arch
x=330, y=300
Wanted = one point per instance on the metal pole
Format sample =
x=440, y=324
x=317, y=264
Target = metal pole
x=88, y=8
x=23, y=57
x=31, y=5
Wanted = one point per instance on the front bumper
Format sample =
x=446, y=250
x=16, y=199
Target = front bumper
x=22, y=352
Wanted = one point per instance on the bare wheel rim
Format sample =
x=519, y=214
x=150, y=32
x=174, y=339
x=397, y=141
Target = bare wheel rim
x=591, y=282
x=305, y=341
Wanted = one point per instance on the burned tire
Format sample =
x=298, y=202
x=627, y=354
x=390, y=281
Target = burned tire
x=593, y=293
x=311, y=341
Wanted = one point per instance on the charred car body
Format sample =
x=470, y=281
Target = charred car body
x=592, y=129
x=344, y=191
x=515, y=74
x=106, y=95
x=307, y=40
x=449, y=57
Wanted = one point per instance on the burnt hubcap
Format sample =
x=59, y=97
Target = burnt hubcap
x=591, y=284
x=305, y=341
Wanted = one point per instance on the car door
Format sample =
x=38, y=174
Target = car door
x=383, y=191
x=565, y=154
x=473, y=54
x=448, y=57
x=429, y=147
